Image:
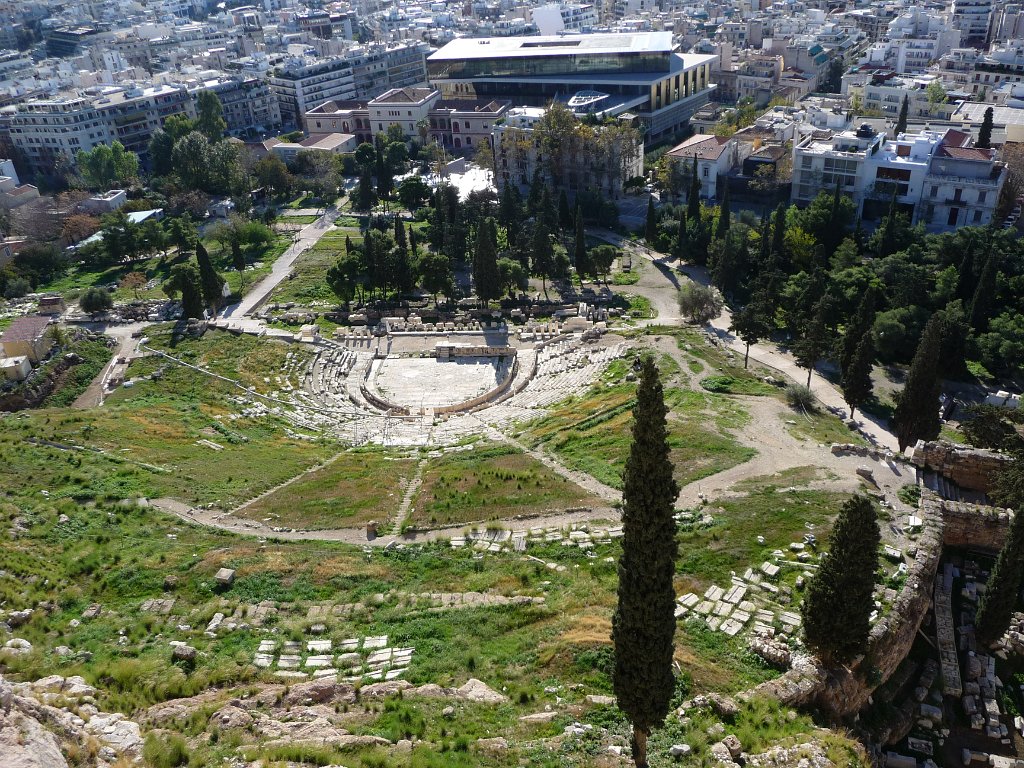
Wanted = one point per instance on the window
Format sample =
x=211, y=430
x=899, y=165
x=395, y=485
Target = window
x=958, y=194
x=954, y=214
x=705, y=172
x=977, y=217
x=805, y=161
x=935, y=191
x=981, y=197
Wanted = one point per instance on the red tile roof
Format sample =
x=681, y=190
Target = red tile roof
x=966, y=153
x=27, y=328
x=702, y=146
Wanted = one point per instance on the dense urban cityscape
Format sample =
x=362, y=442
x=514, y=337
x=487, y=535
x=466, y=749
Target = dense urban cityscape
x=511, y=384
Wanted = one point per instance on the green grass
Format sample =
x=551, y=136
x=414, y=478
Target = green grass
x=354, y=488
x=75, y=380
x=592, y=433
x=821, y=427
x=309, y=284
x=489, y=482
x=731, y=385
x=709, y=555
x=298, y=218
x=626, y=278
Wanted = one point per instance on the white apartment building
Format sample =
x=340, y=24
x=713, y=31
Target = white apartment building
x=553, y=18
x=47, y=128
x=980, y=73
x=914, y=40
x=885, y=95
x=301, y=83
x=973, y=19
x=249, y=105
x=939, y=179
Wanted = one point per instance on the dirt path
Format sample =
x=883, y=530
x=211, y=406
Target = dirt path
x=94, y=394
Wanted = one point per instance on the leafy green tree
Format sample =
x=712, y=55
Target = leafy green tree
x=191, y=160
x=161, y=147
x=102, y=165
x=413, y=192
x=347, y=276
x=901, y=121
x=210, y=121
x=995, y=609
x=601, y=258
x=211, y=284
x=985, y=132
x=992, y=426
x=271, y=172
x=184, y=280
x=837, y=606
x=182, y=232
x=435, y=274
x=856, y=377
x=917, y=408
x=1008, y=488
x=644, y=624
x=95, y=301
x=512, y=275
x=700, y=303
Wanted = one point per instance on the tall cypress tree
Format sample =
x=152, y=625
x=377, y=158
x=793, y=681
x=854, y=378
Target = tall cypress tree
x=779, y=234
x=564, y=212
x=723, y=213
x=856, y=379
x=917, y=410
x=984, y=294
x=486, y=278
x=901, y=121
x=510, y=210
x=400, y=239
x=682, y=237
x=816, y=338
x=1000, y=597
x=582, y=262
x=837, y=607
x=693, y=196
x=651, y=224
x=985, y=132
x=861, y=323
x=644, y=622
x=211, y=283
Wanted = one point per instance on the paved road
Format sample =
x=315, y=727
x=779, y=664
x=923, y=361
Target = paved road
x=305, y=238
x=95, y=393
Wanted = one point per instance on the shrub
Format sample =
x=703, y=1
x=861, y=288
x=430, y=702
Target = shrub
x=799, y=396
x=700, y=303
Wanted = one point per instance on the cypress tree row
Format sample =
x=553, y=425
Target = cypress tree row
x=839, y=600
x=486, y=278
x=682, y=237
x=1000, y=598
x=644, y=623
x=917, y=411
x=901, y=121
x=582, y=262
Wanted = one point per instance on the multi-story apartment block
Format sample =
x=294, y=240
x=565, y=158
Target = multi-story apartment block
x=379, y=68
x=973, y=18
x=300, y=84
x=249, y=105
x=914, y=40
x=939, y=179
x=885, y=94
x=553, y=18
x=44, y=129
x=611, y=74
x=980, y=73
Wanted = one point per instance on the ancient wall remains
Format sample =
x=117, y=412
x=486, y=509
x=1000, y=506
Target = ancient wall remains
x=970, y=468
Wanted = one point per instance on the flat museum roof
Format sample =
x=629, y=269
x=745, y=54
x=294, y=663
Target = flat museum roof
x=554, y=45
